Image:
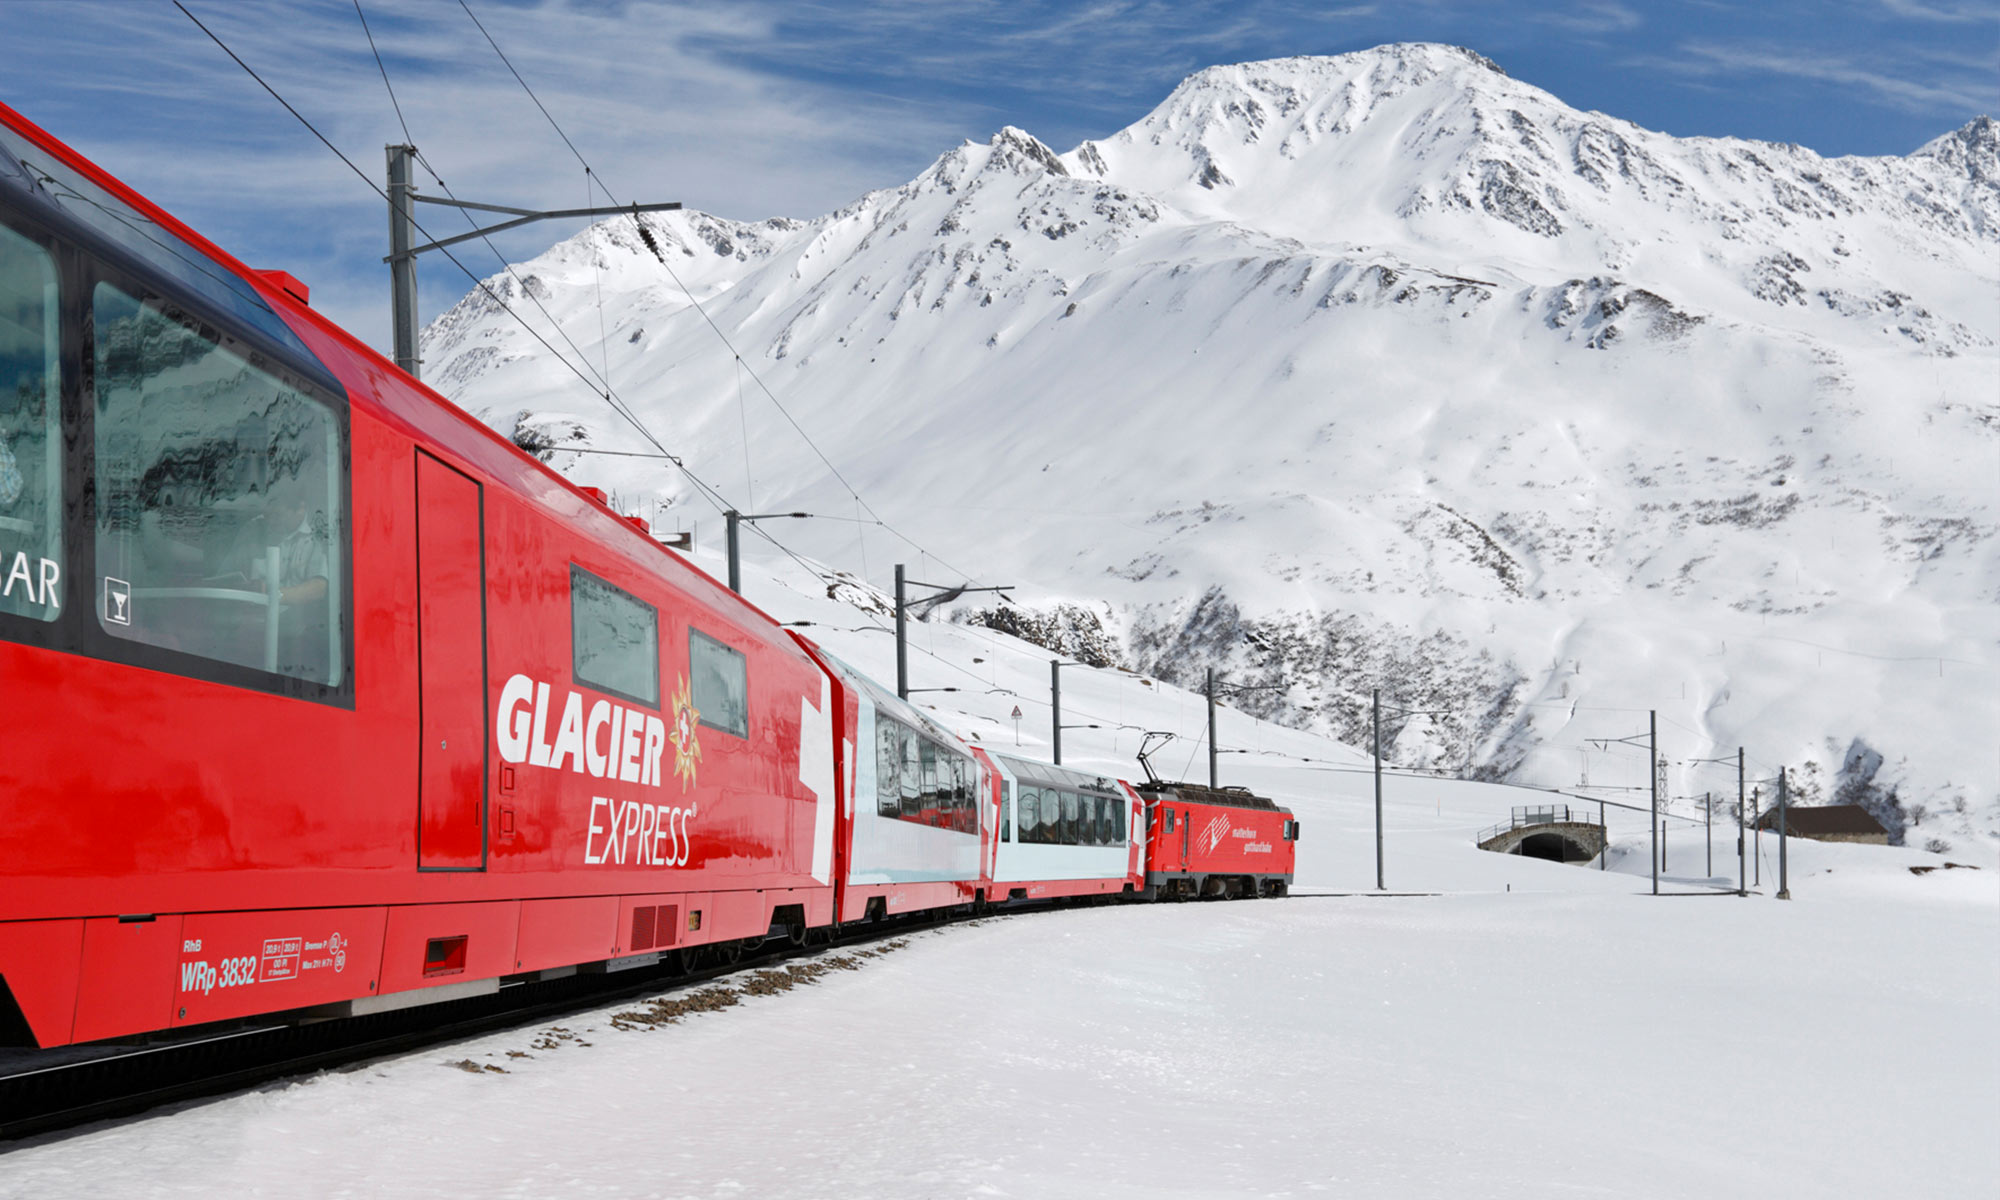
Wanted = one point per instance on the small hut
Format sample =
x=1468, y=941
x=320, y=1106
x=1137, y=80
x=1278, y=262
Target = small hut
x=1828, y=823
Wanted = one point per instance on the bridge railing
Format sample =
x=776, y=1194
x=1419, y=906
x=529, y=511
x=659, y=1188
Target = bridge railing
x=1542, y=814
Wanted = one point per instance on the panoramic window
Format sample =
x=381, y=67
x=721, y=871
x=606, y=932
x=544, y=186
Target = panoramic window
x=220, y=512
x=888, y=768
x=31, y=583
x=615, y=641
x=721, y=684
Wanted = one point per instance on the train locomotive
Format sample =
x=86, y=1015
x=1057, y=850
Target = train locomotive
x=322, y=698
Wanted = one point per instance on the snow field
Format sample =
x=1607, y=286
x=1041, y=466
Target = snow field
x=1533, y=1029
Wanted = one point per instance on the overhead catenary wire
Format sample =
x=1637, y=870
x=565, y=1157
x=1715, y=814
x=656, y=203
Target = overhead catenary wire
x=699, y=308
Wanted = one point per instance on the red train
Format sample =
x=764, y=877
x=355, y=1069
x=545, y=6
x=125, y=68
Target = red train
x=322, y=698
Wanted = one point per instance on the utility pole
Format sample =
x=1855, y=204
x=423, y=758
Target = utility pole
x=1708, y=829
x=1055, y=709
x=402, y=263
x=1379, y=885
x=1213, y=779
x=1653, y=734
x=1742, y=833
x=902, y=629
x=402, y=259
x=902, y=611
x=1757, y=837
x=735, y=519
x=1784, y=803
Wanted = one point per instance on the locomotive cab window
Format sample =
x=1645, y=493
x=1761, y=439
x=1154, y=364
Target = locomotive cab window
x=31, y=583
x=721, y=684
x=614, y=640
x=220, y=497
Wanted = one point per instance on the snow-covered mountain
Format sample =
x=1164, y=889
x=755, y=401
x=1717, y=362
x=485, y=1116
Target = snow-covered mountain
x=1379, y=370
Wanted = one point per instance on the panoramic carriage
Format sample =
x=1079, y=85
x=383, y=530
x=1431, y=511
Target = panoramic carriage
x=319, y=694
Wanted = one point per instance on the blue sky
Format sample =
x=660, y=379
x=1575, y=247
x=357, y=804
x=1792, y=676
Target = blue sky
x=752, y=109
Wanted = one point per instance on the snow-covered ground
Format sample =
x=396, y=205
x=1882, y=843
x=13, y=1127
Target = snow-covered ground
x=1528, y=1030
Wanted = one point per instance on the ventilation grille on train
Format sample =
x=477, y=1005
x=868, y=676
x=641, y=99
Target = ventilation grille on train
x=654, y=926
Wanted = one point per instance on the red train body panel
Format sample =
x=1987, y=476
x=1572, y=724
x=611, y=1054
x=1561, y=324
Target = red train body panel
x=322, y=697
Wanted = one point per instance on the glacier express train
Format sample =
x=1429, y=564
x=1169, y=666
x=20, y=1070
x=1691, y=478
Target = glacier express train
x=321, y=698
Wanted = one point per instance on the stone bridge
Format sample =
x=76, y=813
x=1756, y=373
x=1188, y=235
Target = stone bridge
x=1557, y=833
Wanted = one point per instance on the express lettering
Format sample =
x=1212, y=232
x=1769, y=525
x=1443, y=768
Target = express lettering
x=39, y=585
x=646, y=835
x=607, y=741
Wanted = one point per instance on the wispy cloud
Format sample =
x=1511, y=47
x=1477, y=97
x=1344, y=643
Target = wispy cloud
x=1591, y=17
x=1956, y=14
x=1914, y=88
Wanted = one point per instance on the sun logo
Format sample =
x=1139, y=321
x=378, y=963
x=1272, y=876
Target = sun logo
x=687, y=748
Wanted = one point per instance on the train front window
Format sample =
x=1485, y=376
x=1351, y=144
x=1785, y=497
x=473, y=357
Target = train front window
x=31, y=583
x=220, y=499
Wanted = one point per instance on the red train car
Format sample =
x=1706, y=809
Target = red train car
x=318, y=694
x=1216, y=842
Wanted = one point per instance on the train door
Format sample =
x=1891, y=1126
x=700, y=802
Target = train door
x=451, y=665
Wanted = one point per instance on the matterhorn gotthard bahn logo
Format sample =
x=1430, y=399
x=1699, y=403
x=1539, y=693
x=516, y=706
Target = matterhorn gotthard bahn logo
x=685, y=737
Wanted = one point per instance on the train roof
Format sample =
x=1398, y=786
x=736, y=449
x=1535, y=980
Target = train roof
x=1229, y=797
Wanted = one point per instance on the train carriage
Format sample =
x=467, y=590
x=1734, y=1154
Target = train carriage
x=1062, y=832
x=915, y=813
x=318, y=694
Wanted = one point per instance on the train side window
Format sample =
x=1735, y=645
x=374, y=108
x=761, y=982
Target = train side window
x=888, y=768
x=1070, y=831
x=221, y=507
x=615, y=640
x=31, y=553
x=913, y=774
x=721, y=683
x=1118, y=817
x=1030, y=815
x=1006, y=810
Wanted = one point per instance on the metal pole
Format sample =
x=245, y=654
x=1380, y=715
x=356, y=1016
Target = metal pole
x=1211, y=728
x=734, y=519
x=1379, y=885
x=1653, y=732
x=1604, y=835
x=902, y=633
x=1055, y=709
x=1742, y=832
x=1756, y=837
x=402, y=261
x=1708, y=828
x=1784, y=803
